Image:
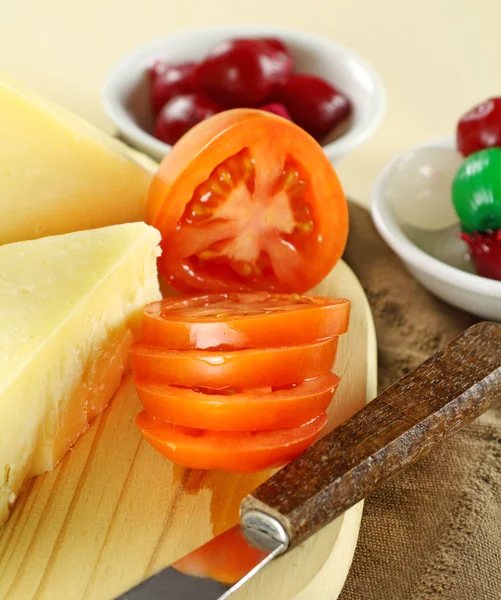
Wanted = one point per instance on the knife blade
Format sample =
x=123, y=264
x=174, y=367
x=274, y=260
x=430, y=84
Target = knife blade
x=170, y=583
x=401, y=425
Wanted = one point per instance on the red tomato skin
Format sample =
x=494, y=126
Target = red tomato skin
x=239, y=369
x=310, y=319
x=236, y=452
x=259, y=410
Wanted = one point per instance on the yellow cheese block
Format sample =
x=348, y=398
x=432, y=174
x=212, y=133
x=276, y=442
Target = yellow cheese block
x=60, y=174
x=69, y=308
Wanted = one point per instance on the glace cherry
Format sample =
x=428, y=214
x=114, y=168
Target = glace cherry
x=181, y=113
x=480, y=127
x=169, y=80
x=277, y=109
x=314, y=104
x=243, y=72
x=485, y=253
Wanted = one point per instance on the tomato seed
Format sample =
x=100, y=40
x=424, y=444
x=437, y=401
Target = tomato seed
x=291, y=178
x=199, y=210
x=216, y=187
x=302, y=212
x=207, y=254
x=244, y=269
x=305, y=227
x=298, y=190
x=234, y=164
x=256, y=270
x=225, y=175
x=248, y=166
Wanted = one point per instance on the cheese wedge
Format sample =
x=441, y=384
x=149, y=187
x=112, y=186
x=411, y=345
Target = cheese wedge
x=60, y=174
x=69, y=308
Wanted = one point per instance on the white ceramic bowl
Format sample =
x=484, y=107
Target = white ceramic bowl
x=418, y=231
x=126, y=91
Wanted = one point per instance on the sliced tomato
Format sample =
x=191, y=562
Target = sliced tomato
x=239, y=369
x=237, y=451
x=245, y=320
x=226, y=558
x=247, y=201
x=264, y=408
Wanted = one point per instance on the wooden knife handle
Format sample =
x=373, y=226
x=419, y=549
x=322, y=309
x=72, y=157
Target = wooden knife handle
x=401, y=425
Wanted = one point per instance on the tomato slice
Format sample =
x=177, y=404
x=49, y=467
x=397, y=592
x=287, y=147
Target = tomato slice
x=226, y=558
x=239, y=369
x=255, y=320
x=248, y=410
x=247, y=201
x=237, y=451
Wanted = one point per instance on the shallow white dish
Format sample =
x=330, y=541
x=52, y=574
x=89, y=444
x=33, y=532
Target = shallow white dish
x=423, y=235
x=126, y=91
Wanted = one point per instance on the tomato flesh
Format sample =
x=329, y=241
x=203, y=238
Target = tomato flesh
x=229, y=410
x=240, y=369
x=237, y=451
x=257, y=320
x=231, y=235
x=247, y=201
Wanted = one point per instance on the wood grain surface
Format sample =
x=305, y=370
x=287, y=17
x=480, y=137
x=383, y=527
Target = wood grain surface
x=405, y=422
x=114, y=511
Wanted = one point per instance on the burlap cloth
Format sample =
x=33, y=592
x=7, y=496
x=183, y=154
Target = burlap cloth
x=433, y=532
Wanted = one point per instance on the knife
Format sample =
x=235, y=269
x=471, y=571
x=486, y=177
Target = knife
x=401, y=425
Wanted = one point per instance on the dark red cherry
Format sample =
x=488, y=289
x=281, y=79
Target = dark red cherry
x=485, y=253
x=278, y=45
x=157, y=68
x=181, y=113
x=277, y=109
x=480, y=127
x=169, y=80
x=314, y=104
x=243, y=72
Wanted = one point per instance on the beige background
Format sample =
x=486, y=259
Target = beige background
x=437, y=57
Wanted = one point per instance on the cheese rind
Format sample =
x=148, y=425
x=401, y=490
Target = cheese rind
x=69, y=308
x=60, y=174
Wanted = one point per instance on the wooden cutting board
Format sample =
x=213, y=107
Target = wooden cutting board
x=114, y=511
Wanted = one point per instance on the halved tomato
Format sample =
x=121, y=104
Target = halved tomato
x=247, y=201
x=245, y=320
x=248, y=410
x=239, y=369
x=237, y=451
